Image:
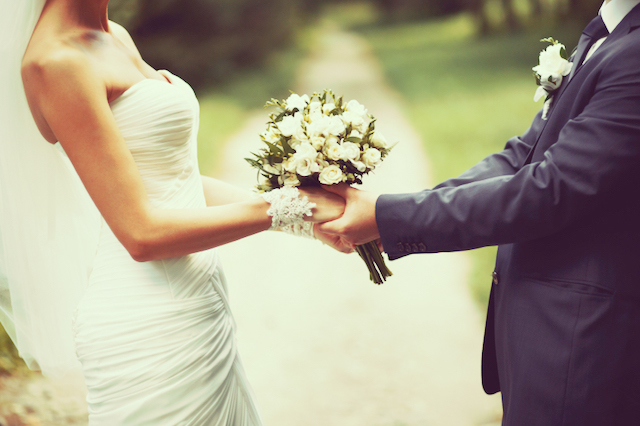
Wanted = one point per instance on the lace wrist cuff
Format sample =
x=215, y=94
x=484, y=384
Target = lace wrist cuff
x=304, y=229
x=288, y=209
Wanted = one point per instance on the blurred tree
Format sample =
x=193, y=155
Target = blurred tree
x=511, y=20
x=477, y=8
x=406, y=10
x=537, y=8
x=581, y=11
x=207, y=40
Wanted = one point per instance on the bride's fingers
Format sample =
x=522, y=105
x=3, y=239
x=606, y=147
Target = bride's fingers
x=328, y=206
x=333, y=241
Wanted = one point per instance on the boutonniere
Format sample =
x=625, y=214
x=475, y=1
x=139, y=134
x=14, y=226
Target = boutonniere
x=553, y=67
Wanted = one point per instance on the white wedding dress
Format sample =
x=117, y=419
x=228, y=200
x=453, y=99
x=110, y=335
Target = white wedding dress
x=157, y=339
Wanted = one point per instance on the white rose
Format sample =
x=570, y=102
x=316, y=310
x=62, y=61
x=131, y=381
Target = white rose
x=551, y=70
x=379, y=141
x=317, y=127
x=305, y=150
x=355, y=134
x=314, y=107
x=317, y=142
x=371, y=158
x=322, y=163
x=303, y=161
x=289, y=164
x=330, y=175
x=291, y=180
x=336, y=126
x=351, y=151
x=334, y=151
x=296, y=102
x=357, y=108
x=294, y=143
x=328, y=107
x=307, y=166
x=357, y=121
x=326, y=126
x=359, y=165
x=290, y=125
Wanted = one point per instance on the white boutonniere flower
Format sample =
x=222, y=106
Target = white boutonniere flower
x=553, y=67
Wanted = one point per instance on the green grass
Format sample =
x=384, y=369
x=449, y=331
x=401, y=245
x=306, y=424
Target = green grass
x=219, y=118
x=465, y=95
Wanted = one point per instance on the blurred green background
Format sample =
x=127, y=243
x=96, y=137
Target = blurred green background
x=463, y=68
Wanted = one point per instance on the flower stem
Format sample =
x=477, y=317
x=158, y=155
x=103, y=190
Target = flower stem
x=370, y=254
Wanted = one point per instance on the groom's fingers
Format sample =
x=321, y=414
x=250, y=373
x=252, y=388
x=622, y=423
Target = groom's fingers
x=328, y=227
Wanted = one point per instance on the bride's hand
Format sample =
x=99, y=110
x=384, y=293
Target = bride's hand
x=328, y=206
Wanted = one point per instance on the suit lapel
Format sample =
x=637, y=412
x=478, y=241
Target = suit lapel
x=628, y=24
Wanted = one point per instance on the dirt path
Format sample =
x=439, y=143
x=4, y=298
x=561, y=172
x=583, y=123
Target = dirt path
x=320, y=343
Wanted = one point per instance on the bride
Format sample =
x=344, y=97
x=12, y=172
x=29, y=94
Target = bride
x=131, y=289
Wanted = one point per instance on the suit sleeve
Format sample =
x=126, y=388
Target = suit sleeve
x=596, y=153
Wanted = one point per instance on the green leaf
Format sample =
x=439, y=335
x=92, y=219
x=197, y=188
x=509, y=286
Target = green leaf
x=253, y=163
x=549, y=40
x=274, y=149
x=285, y=145
x=274, y=159
x=354, y=139
x=563, y=53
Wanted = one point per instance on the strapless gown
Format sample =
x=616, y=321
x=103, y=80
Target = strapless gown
x=156, y=339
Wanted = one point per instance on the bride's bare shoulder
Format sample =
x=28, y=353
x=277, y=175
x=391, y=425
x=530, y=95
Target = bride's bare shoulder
x=53, y=64
x=53, y=80
x=121, y=34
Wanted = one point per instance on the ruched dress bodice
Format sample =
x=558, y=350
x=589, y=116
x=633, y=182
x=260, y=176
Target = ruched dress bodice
x=156, y=339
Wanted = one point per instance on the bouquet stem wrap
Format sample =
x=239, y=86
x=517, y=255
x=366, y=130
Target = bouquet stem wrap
x=370, y=253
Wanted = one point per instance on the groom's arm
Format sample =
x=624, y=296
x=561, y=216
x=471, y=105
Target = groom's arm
x=594, y=161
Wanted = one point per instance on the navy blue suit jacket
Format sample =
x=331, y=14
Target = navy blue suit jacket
x=562, y=201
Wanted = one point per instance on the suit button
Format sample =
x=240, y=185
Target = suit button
x=407, y=248
x=415, y=248
x=400, y=247
x=495, y=278
x=422, y=247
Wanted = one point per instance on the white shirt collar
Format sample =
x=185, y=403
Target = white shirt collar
x=614, y=12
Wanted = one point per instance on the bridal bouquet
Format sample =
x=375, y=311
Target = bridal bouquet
x=321, y=140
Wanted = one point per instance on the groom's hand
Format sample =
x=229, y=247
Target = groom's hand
x=358, y=223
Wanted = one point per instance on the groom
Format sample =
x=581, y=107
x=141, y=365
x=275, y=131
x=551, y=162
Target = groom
x=562, y=340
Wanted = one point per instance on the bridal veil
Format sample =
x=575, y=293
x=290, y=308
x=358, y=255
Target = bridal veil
x=48, y=224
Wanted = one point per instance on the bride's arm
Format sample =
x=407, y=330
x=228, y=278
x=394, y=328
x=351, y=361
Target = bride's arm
x=218, y=193
x=72, y=99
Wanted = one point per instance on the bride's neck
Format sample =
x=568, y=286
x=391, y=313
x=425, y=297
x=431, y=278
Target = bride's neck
x=88, y=14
